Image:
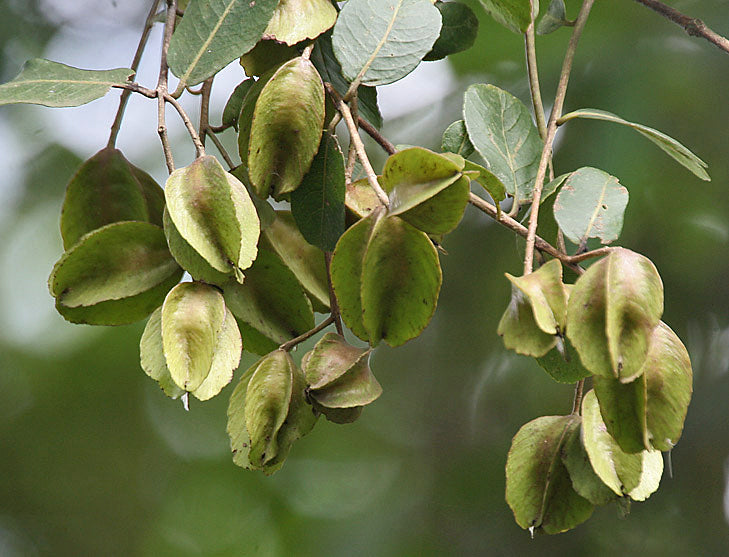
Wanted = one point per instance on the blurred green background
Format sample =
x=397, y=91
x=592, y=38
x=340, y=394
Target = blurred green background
x=95, y=460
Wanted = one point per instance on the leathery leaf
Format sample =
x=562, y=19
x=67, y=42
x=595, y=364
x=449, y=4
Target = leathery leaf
x=193, y=318
x=400, y=282
x=649, y=412
x=213, y=212
x=426, y=189
x=537, y=311
x=286, y=128
x=612, y=311
x=107, y=188
x=634, y=475
x=120, y=262
x=538, y=486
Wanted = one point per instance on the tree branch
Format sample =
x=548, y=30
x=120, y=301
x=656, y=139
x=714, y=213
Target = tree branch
x=539, y=243
x=162, y=85
x=126, y=93
x=205, y=91
x=333, y=303
x=551, y=131
x=377, y=136
x=221, y=149
x=693, y=26
x=286, y=346
x=358, y=145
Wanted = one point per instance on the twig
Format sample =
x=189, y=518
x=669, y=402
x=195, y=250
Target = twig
x=126, y=93
x=205, y=91
x=577, y=402
x=200, y=150
x=358, y=145
x=693, y=26
x=539, y=243
x=551, y=130
x=333, y=304
x=286, y=346
x=377, y=136
x=219, y=129
x=162, y=85
x=137, y=88
x=533, y=74
x=221, y=149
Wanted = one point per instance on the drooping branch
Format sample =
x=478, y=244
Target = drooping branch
x=552, y=130
x=126, y=93
x=693, y=26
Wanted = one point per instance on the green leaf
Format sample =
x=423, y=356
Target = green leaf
x=267, y=404
x=115, y=262
x=488, y=181
x=552, y=186
x=235, y=103
x=426, y=189
x=513, y=14
x=187, y=258
x=458, y=32
x=318, y=203
x=346, y=272
x=633, y=309
x=635, y=475
x=270, y=389
x=265, y=56
x=355, y=388
x=339, y=375
x=299, y=421
x=305, y=261
x=591, y=205
x=584, y=480
x=555, y=18
x=213, y=33
x=360, y=199
x=400, y=282
x=563, y=365
x=121, y=312
x=380, y=41
x=286, y=128
x=328, y=67
x=649, y=412
x=670, y=146
x=245, y=118
x=330, y=358
x=536, y=312
x=455, y=139
x=612, y=311
x=296, y=20
x=520, y=330
x=213, y=212
x=538, y=486
x=107, y=188
x=225, y=359
x=152, y=356
x=192, y=317
x=57, y=85
x=415, y=175
x=240, y=440
x=501, y=129
x=271, y=302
